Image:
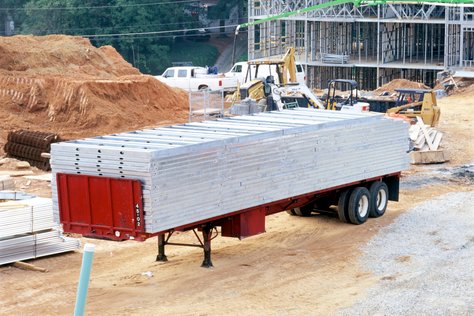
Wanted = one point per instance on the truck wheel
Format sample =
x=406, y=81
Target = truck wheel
x=304, y=211
x=343, y=204
x=379, y=199
x=359, y=205
x=203, y=87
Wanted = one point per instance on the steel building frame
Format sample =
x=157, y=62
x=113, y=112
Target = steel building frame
x=370, y=44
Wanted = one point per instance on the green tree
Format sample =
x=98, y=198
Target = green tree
x=124, y=20
x=11, y=11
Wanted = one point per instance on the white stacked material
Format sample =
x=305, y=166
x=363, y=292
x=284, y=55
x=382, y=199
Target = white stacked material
x=334, y=58
x=31, y=246
x=6, y=183
x=28, y=231
x=197, y=171
x=425, y=137
x=25, y=216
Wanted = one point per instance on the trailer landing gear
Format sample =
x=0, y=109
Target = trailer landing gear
x=161, y=249
x=205, y=244
x=207, y=237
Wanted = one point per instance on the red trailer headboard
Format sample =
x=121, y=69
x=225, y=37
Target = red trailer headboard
x=101, y=207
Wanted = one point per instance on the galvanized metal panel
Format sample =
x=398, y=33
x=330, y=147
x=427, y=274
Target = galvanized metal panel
x=248, y=160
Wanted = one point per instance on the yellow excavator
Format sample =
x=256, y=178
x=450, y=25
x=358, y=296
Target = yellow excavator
x=417, y=102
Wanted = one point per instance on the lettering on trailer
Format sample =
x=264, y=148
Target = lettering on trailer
x=137, y=213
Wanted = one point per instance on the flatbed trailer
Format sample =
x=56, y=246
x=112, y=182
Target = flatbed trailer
x=150, y=183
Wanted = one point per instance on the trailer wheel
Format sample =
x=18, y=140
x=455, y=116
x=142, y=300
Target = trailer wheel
x=291, y=212
x=342, y=205
x=359, y=205
x=379, y=198
x=304, y=211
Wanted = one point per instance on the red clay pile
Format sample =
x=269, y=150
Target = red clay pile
x=64, y=85
x=399, y=83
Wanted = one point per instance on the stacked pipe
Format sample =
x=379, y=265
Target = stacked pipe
x=29, y=145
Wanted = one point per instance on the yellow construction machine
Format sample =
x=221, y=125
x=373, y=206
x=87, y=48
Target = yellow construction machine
x=417, y=102
x=256, y=87
x=288, y=92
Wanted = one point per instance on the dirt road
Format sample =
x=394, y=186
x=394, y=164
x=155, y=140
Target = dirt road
x=299, y=266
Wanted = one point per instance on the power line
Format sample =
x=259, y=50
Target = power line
x=128, y=26
x=155, y=32
x=162, y=36
x=97, y=7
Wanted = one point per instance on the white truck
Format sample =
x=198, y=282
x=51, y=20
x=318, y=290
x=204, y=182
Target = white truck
x=196, y=78
x=240, y=69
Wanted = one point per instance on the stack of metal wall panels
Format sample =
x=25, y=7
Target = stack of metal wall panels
x=21, y=217
x=28, y=231
x=197, y=171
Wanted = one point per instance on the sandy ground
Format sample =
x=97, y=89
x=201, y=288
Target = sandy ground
x=299, y=266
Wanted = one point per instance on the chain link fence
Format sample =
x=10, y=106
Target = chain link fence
x=206, y=105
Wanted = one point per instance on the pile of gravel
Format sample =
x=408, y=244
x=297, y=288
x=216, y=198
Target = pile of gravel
x=425, y=261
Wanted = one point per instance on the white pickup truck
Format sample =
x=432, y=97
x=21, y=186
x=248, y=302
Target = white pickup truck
x=239, y=71
x=196, y=78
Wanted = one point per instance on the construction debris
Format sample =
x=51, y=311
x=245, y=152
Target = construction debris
x=23, y=165
x=16, y=173
x=245, y=107
x=28, y=266
x=426, y=141
x=41, y=177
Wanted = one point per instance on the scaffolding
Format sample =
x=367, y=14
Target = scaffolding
x=370, y=44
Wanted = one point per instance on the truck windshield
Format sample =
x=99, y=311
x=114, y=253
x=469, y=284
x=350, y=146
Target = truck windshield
x=169, y=73
x=237, y=68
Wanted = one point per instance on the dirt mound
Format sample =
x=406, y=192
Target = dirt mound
x=65, y=85
x=466, y=88
x=60, y=54
x=400, y=83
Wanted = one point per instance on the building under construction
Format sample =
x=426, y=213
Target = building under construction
x=370, y=44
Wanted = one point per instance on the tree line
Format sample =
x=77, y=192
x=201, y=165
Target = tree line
x=143, y=31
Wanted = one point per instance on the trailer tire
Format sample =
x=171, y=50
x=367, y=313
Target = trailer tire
x=304, y=210
x=291, y=212
x=359, y=205
x=379, y=199
x=342, y=205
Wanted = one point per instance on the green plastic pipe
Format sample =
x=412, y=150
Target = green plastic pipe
x=84, y=278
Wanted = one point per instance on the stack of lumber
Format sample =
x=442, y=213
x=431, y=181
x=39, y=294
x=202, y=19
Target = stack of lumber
x=426, y=140
x=197, y=171
x=29, y=146
x=28, y=231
